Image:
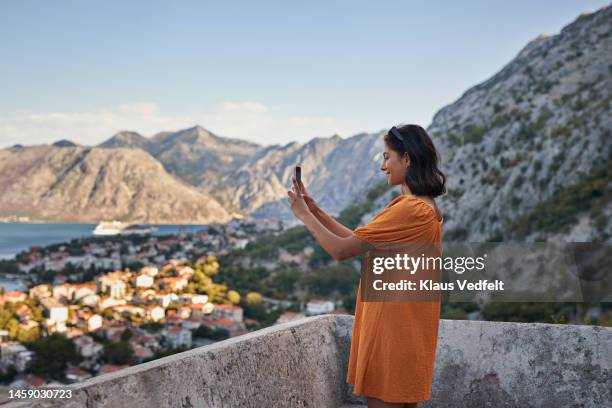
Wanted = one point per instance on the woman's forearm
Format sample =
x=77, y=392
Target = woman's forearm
x=329, y=241
x=330, y=223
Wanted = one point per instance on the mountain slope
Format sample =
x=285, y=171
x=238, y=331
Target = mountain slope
x=92, y=184
x=538, y=125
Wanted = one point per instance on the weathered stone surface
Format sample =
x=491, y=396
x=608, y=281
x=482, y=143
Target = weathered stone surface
x=296, y=364
x=500, y=364
x=304, y=363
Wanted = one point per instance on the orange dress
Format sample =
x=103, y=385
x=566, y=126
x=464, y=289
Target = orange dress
x=393, y=346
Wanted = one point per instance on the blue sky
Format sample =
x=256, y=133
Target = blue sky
x=265, y=71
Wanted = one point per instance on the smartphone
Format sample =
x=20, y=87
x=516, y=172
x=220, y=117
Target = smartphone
x=298, y=177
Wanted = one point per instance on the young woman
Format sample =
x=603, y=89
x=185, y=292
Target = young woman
x=393, y=345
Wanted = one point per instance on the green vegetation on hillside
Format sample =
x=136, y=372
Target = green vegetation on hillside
x=592, y=193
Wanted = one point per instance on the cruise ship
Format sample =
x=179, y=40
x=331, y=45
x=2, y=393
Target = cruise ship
x=122, y=228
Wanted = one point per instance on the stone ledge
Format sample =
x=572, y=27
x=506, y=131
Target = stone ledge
x=303, y=364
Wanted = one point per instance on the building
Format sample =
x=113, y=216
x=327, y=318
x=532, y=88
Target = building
x=316, y=307
x=289, y=317
x=14, y=296
x=113, y=283
x=54, y=310
x=155, y=313
x=94, y=322
x=144, y=281
x=16, y=355
x=174, y=283
x=111, y=368
x=40, y=292
x=232, y=312
x=76, y=374
x=150, y=270
x=87, y=347
x=177, y=336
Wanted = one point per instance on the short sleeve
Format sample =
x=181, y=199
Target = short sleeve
x=402, y=221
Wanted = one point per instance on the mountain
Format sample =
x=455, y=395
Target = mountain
x=335, y=171
x=81, y=184
x=247, y=178
x=527, y=152
x=64, y=143
x=194, y=155
x=126, y=139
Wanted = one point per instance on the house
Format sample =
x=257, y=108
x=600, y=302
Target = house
x=94, y=322
x=174, y=283
x=116, y=289
x=144, y=281
x=16, y=355
x=141, y=352
x=185, y=271
x=188, y=298
x=184, y=312
x=54, y=310
x=83, y=290
x=288, y=317
x=155, y=313
x=128, y=311
x=164, y=298
x=111, y=368
x=59, y=279
x=228, y=312
x=113, y=283
x=316, y=307
x=76, y=374
x=15, y=296
x=90, y=300
x=106, y=302
x=178, y=336
x=197, y=310
x=87, y=347
x=63, y=291
x=40, y=292
x=150, y=270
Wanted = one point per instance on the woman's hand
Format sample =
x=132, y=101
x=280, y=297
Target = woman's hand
x=310, y=202
x=297, y=201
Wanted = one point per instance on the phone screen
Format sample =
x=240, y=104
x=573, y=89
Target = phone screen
x=298, y=177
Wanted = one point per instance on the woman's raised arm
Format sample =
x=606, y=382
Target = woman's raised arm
x=329, y=222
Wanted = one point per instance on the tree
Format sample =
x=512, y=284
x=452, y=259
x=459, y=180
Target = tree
x=52, y=355
x=233, y=297
x=126, y=335
x=253, y=298
x=118, y=353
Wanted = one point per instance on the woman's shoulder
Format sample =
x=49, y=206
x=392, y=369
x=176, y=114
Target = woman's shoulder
x=414, y=204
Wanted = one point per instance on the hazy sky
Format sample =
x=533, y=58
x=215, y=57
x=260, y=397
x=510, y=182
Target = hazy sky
x=266, y=71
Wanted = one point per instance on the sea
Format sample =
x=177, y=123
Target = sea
x=17, y=237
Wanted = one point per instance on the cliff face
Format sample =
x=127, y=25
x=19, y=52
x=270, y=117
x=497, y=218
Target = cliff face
x=90, y=184
x=527, y=152
x=334, y=170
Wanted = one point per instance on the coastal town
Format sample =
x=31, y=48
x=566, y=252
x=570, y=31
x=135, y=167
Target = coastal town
x=105, y=304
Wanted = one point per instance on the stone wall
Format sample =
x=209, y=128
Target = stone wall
x=304, y=363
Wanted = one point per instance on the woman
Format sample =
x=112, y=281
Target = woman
x=394, y=343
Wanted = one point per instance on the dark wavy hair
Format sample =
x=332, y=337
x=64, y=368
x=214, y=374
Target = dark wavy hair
x=423, y=177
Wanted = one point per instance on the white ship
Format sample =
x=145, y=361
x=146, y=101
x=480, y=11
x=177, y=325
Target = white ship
x=122, y=228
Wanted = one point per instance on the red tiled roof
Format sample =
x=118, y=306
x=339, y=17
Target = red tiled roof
x=35, y=380
x=110, y=368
